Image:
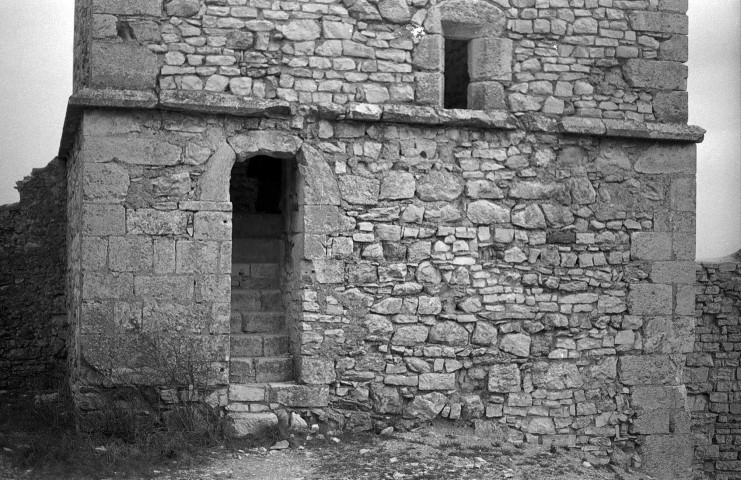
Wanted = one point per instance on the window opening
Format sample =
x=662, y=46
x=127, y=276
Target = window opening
x=456, y=74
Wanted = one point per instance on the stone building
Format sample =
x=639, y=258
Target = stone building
x=385, y=212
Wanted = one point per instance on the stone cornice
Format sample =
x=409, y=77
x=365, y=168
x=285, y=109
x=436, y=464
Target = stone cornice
x=218, y=103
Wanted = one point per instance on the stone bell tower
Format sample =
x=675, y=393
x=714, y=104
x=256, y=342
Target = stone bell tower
x=479, y=210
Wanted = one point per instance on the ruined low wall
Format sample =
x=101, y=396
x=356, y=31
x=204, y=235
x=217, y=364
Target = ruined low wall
x=713, y=373
x=33, y=326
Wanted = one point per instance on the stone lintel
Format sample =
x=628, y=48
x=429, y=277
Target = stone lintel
x=211, y=102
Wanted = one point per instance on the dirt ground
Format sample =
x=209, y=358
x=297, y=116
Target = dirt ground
x=432, y=453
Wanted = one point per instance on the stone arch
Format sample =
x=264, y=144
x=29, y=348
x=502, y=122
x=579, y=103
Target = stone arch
x=490, y=55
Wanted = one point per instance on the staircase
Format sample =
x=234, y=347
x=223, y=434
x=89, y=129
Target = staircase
x=259, y=337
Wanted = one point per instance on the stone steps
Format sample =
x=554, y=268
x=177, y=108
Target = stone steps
x=262, y=275
x=250, y=405
x=256, y=300
x=256, y=250
x=260, y=369
x=259, y=345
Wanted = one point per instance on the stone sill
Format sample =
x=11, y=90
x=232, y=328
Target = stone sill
x=219, y=103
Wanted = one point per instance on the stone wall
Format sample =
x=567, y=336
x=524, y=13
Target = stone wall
x=713, y=375
x=612, y=59
x=540, y=285
x=34, y=330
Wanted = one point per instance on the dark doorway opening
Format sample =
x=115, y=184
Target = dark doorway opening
x=259, y=344
x=456, y=74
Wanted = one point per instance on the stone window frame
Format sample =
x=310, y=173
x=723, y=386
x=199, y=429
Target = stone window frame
x=490, y=54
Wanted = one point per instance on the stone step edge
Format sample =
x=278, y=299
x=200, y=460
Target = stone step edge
x=283, y=394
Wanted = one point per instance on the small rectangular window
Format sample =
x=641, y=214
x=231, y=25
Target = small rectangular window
x=456, y=73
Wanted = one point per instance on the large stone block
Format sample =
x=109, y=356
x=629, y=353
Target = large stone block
x=669, y=334
x=439, y=185
x=213, y=288
x=651, y=246
x=487, y=213
x=245, y=424
x=131, y=149
x=683, y=194
x=105, y=182
x=673, y=272
x=410, y=335
x=96, y=253
x=396, y=11
x=147, y=221
x=676, y=49
x=104, y=286
x=212, y=225
x=656, y=397
x=490, y=58
x=359, y=190
x=486, y=96
x=329, y=271
x=326, y=219
x=212, y=184
x=671, y=107
x=650, y=370
x=183, y=8
x=128, y=7
x=397, y=185
x=247, y=393
x=462, y=18
x=197, y=256
x=99, y=220
x=425, y=407
x=316, y=371
x=650, y=299
x=131, y=254
x=301, y=30
x=556, y=376
x=659, y=22
x=515, y=343
x=319, y=182
x=655, y=422
x=448, y=333
x=504, y=378
x=655, y=74
x=123, y=66
x=165, y=287
x=430, y=88
x=668, y=457
x=685, y=300
x=300, y=396
x=429, y=53
x=437, y=381
x=679, y=6
x=531, y=216
x=340, y=30
x=173, y=317
x=265, y=142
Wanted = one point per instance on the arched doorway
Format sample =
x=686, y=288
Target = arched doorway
x=259, y=347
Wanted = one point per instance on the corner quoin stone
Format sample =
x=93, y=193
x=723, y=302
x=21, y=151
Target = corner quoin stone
x=123, y=66
x=650, y=299
x=655, y=74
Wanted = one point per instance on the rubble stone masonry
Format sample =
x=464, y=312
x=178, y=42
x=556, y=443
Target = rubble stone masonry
x=33, y=320
x=713, y=373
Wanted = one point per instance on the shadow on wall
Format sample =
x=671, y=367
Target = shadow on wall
x=33, y=331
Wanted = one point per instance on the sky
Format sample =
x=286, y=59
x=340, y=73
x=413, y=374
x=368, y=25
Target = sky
x=36, y=81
